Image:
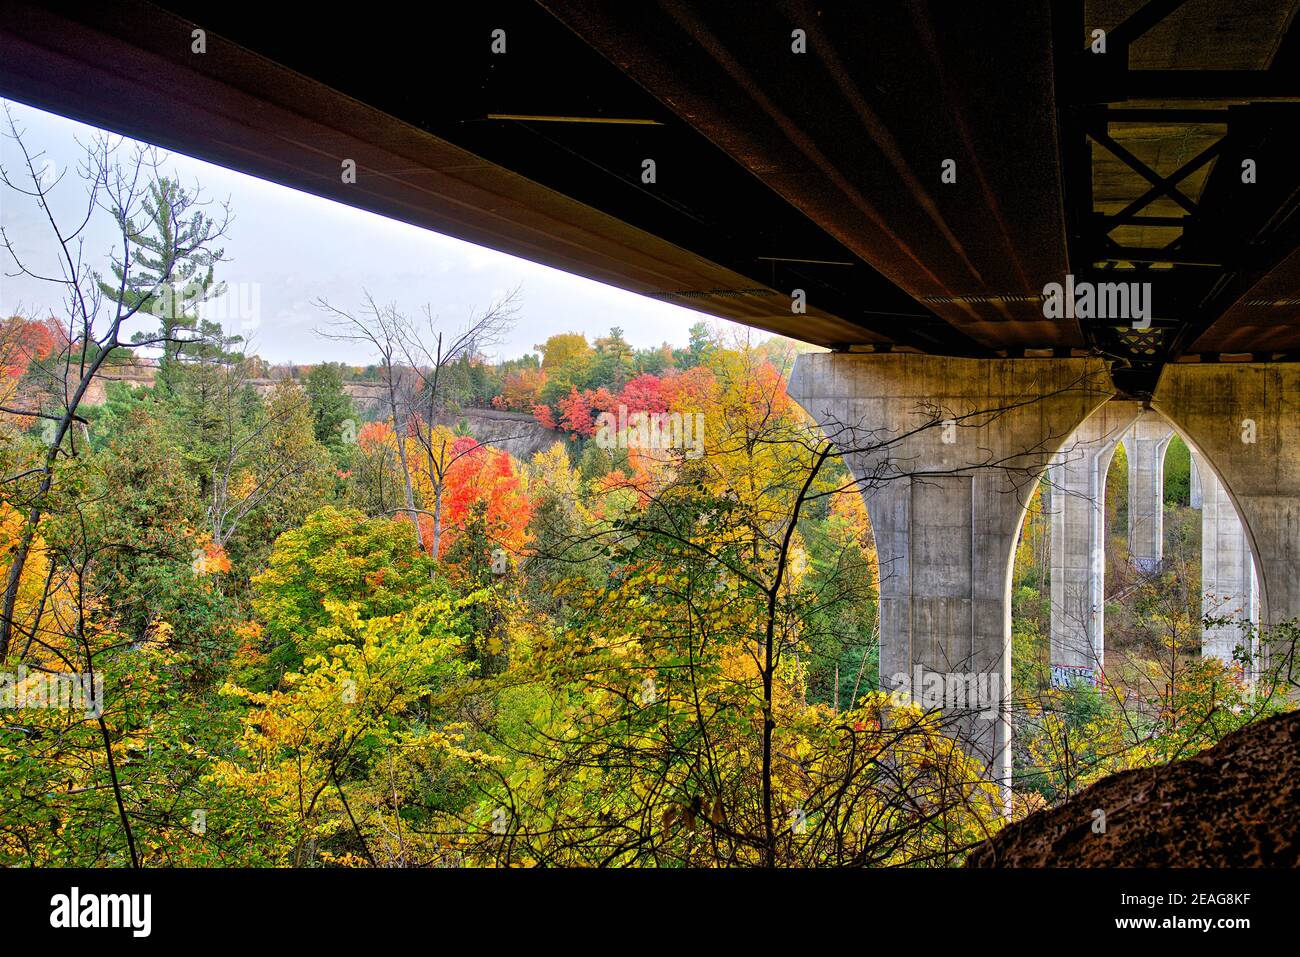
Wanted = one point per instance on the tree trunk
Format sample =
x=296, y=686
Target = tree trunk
x=436, y=547
x=47, y=482
x=401, y=455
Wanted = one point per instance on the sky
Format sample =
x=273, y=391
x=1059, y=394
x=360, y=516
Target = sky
x=286, y=248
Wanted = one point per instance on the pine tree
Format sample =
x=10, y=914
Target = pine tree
x=170, y=274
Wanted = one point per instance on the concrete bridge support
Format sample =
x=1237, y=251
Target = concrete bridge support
x=1146, y=444
x=1078, y=481
x=1227, y=572
x=1244, y=421
x=1078, y=485
x=948, y=452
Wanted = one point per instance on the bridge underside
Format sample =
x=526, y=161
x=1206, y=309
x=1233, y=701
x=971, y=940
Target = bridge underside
x=1117, y=166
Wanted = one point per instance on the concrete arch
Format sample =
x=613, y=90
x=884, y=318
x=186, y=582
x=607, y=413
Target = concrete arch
x=1078, y=633
x=1243, y=420
x=1230, y=568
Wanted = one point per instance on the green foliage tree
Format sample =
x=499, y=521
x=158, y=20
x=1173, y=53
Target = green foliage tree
x=146, y=531
x=1178, y=473
x=339, y=556
x=331, y=407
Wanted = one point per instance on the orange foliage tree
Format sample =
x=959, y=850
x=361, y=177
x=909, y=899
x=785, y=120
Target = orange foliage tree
x=469, y=473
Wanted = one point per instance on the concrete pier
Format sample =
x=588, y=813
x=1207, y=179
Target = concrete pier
x=948, y=452
x=1228, y=586
x=1077, y=487
x=1146, y=444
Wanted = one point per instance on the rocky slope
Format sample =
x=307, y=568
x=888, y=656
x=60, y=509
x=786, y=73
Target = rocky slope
x=1234, y=805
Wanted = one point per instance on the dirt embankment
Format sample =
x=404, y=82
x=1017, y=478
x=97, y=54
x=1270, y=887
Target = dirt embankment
x=1234, y=805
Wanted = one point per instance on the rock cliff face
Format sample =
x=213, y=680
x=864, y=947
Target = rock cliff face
x=1234, y=805
x=516, y=432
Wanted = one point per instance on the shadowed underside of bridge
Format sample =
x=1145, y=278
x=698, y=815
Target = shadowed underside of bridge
x=774, y=170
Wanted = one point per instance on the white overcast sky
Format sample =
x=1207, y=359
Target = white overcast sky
x=291, y=247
